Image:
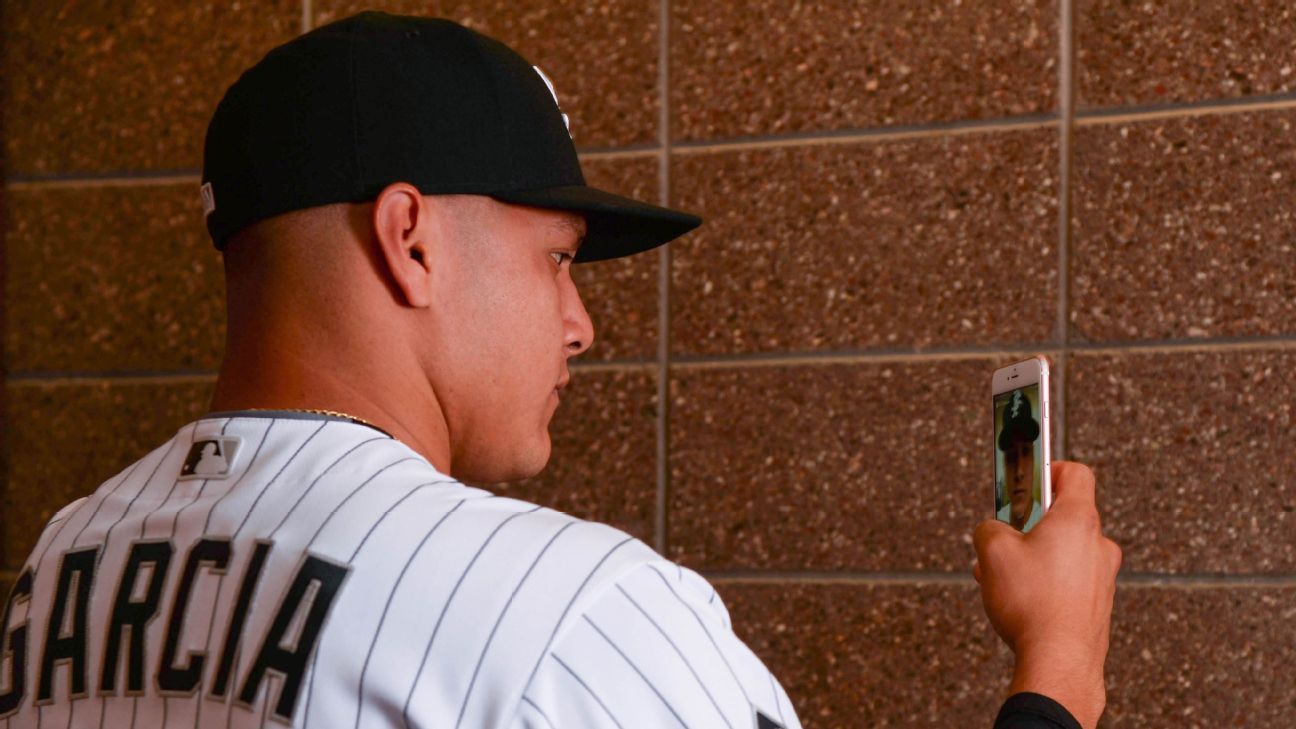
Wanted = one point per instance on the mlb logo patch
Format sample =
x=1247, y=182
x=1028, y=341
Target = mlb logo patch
x=211, y=457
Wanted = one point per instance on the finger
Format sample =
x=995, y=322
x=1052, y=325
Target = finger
x=1115, y=554
x=989, y=533
x=976, y=572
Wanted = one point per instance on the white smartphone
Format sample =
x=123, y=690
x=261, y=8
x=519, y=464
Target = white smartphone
x=1022, y=463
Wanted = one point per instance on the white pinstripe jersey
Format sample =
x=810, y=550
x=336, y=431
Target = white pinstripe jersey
x=275, y=568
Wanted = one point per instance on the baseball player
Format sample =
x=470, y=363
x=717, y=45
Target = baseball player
x=398, y=202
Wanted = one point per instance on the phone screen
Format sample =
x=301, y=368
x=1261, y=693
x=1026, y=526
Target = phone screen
x=1018, y=461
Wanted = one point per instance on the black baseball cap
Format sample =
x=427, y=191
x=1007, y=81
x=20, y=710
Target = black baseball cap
x=337, y=114
x=1019, y=424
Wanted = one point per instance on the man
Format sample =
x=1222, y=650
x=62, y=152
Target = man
x=1017, y=440
x=399, y=203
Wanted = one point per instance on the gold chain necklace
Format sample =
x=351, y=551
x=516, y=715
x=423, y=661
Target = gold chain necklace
x=317, y=411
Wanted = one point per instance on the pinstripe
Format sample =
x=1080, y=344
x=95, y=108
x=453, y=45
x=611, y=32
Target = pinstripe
x=338, y=507
x=268, y=484
x=446, y=607
x=482, y=658
x=540, y=711
x=420, y=487
x=302, y=497
x=103, y=500
x=391, y=595
x=778, y=705
x=632, y=665
x=310, y=685
x=63, y=523
x=174, y=484
x=54, y=535
x=108, y=535
x=572, y=601
x=175, y=521
x=264, y=437
x=714, y=644
x=161, y=505
x=588, y=690
x=679, y=653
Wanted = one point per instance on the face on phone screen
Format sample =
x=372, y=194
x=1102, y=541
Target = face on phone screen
x=1018, y=461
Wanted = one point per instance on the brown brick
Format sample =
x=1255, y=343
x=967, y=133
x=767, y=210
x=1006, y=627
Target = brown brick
x=104, y=86
x=1195, y=472
x=772, y=67
x=873, y=655
x=64, y=440
x=621, y=294
x=604, y=458
x=1199, y=658
x=602, y=56
x=1185, y=228
x=1160, y=53
x=111, y=278
x=854, y=655
x=948, y=242
x=870, y=466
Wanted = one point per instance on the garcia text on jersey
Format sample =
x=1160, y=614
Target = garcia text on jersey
x=129, y=658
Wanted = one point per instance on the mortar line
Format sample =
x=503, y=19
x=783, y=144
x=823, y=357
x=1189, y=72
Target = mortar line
x=879, y=356
x=1092, y=117
x=662, y=425
x=629, y=151
x=1173, y=346
x=306, y=16
x=116, y=378
x=876, y=134
x=141, y=179
x=901, y=577
x=616, y=365
x=1212, y=107
x=784, y=359
x=1066, y=99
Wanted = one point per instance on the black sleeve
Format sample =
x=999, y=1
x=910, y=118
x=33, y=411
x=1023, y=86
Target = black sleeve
x=1034, y=711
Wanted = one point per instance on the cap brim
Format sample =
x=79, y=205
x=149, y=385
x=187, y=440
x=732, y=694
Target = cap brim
x=615, y=226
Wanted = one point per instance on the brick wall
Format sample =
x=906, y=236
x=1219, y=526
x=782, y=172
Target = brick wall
x=793, y=400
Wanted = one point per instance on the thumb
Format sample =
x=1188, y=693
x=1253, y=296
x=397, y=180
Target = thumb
x=1073, y=486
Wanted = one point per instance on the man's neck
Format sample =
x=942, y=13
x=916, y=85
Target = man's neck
x=268, y=380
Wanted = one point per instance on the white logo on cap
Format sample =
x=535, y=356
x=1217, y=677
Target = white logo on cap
x=554, y=94
x=208, y=199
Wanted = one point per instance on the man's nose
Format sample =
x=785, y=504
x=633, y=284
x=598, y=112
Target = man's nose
x=578, y=329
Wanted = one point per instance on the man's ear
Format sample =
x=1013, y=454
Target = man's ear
x=403, y=228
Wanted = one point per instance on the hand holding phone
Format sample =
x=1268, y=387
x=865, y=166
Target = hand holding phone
x=1049, y=595
x=1020, y=400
